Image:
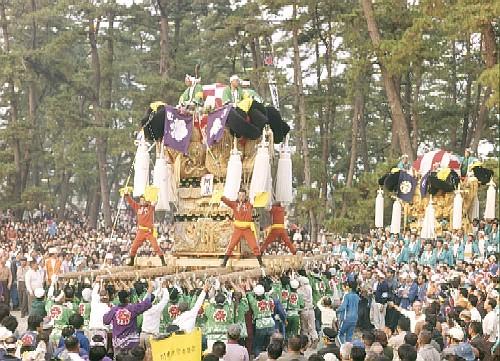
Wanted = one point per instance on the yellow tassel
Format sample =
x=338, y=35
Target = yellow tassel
x=245, y=104
x=443, y=174
x=151, y=193
x=155, y=105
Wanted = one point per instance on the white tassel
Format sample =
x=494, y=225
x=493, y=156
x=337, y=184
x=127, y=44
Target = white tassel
x=457, y=210
x=489, y=211
x=161, y=180
x=141, y=168
x=260, y=173
x=428, y=225
x=396, y=217
x=233, y=175
x=474, y=208
x=284, y=188
x=379, y=209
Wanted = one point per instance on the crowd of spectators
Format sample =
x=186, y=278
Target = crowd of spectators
x=377, y=296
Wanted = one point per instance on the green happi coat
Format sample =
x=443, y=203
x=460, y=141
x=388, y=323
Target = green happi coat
x=294, y=306
x=239, y=317
x=219, y=317
x=171, y=311
x=227, y=95
x=319, y=288
x=262, y=311
x=192, y=95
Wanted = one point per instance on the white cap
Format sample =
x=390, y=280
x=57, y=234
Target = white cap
x=234, y=77
x=52, y=250
x=456, y=333
x=294, y=284
x=303, y=280
x=259, y=290
x=39, y=292
x=109, y=256
x=86, y=294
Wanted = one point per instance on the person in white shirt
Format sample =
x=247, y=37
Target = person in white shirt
x=307, y=315
x=151, y=318
x=490, y=322
x=328, y=314
x=98, y=308
x=187, y=319
x=34, y=279
x=474, y=313
x=415, y=314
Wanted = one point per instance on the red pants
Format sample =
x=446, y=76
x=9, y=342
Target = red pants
x=248, y=235
x=278, y=234
x=141, y=236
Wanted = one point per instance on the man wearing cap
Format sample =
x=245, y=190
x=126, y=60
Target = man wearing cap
x=234, y=351
x=294, y=307
x=262, y=309
x=98, y=308
x=278, y=231
x=307, y=316
x=243, y=226
x=123, y=318
x=84, y=306
x=145, y=227
x=38, y=306
x=52, y=265
x=193, y=95
x=232, y=94
x=22, y=269
x=219, y=314
x=329, y=336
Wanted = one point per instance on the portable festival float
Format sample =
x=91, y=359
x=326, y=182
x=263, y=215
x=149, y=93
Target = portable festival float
x=206, y=151
x=432, y=197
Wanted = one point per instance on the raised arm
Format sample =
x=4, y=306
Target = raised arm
x=131, y=202
x=231, y=204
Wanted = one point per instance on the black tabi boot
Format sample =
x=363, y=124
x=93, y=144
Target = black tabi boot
x=224, y=262
x=131, y=261
x=261, y=264
x=163, y=263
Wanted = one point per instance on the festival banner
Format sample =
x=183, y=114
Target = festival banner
x=215, y=124
x=186, y=347
x=178, y=129
x=406, y=186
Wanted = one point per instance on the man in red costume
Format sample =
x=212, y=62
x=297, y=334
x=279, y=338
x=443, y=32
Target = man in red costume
x=145, y=227
x=278, y=231
x=243, y=226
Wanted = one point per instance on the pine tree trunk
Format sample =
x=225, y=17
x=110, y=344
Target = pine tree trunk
x=356, y=119
x=301, y=108
x=490, y=59
x=468, y=100
x=400, y=129
x=415, y=107
x=163, y=39
x=101, y=140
